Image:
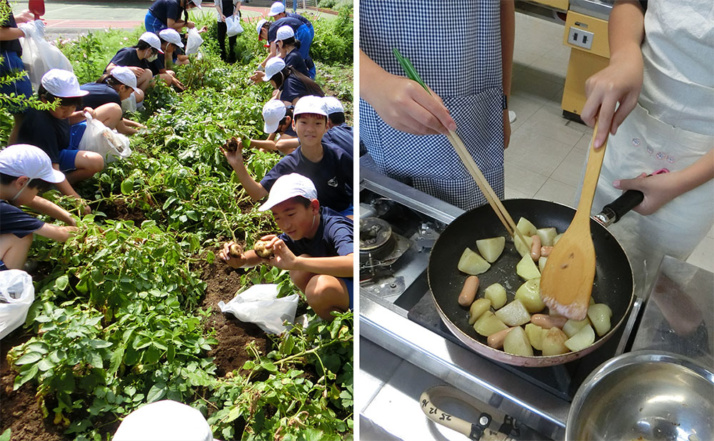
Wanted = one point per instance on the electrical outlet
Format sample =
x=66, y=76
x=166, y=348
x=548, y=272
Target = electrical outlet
x=580, y=38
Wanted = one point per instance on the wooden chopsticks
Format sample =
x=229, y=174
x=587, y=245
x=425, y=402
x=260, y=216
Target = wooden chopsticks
x=484, y=186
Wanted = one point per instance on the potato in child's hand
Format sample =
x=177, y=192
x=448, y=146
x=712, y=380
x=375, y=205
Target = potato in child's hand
x=235, y=250
x=231, y=145
x=261, y=249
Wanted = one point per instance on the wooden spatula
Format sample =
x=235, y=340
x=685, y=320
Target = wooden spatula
x=567, y=280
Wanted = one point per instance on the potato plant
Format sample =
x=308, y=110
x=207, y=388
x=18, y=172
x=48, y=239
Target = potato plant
x=117, y=323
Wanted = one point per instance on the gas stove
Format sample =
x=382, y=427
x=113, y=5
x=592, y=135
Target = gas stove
x=398, y=226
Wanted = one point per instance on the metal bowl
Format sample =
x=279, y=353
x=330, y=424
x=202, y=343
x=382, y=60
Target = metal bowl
x=644, y=395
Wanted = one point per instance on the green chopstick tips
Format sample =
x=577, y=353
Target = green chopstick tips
x=409, y=69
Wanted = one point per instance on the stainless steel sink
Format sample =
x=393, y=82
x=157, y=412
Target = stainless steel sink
x=594, y=8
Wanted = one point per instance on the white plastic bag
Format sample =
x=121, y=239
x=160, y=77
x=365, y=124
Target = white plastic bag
x=233, y=26
x=109, y=143
x=193, y=41
x=16, y=296
x=260, y=304
x=38, y=55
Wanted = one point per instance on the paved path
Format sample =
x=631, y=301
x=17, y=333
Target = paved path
x=68, y=18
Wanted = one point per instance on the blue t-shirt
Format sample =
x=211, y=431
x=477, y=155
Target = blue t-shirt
x=165, y=9
x=342, y=137
x=285, y=21
x=297, y=62
x=128, y=57
x=334, y=237
x=17, y=222
x=332, y=175
x=293, y=88
x=99, y=94
x=43, y=130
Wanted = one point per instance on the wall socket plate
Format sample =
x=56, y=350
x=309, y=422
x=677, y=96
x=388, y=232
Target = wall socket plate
x=580, y=38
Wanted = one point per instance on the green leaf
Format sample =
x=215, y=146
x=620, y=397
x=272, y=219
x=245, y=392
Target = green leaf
x=25, y=376
x=6, y=435
x=157, y=392
x=61, y=283
x=30, y=357
x=268, y=366
x=127, y=186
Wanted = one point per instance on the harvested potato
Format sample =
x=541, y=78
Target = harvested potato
x=468, y=292
x=582, y=339
x=477, y=309
x=547, y=235
x=497, y=294
x=599, y=315
x=261, y=249
x=489, y=324
x=235, y=250
x=231, y=145
x=516, y=343
x=541, y=263
x=554, y=342
x=514, y=314
x=529, y=295
x=571, y=327
x=526, y=227
x=471, y=263
x=491, y=248
x=526, y=268
x=524, y=249
x=535, y=335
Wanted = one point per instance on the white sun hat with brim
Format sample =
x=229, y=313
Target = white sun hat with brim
x=172, y=36
x=272, y=67
x=153, y=40
x=284, y=32
x=125, y=76
x=27, y=160
x=333, y=105
x=287, y=187
x=259, y=26
x=164, y=420
x=273, y=112
x=311, y=104
x=197, y=3
x=62, y=84
x=276, y=8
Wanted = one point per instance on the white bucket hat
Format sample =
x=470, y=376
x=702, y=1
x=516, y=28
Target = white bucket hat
x=273, y=112
x=153, y=40
x=62, y=84
x=125, y=76
x=273, y=66
x=28, y=160
x=172, y=36
x=276, y=8
x=164, y=420
x=288, y=187
x=310, y=104
x=333, y=105
x=197, y=3
x=284, y=32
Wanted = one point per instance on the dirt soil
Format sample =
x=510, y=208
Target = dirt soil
x=20, y=411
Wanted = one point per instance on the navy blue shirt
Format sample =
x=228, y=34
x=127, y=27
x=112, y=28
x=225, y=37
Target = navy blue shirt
x=10, y=45
x=17, y=222
x=285, y=21
x=293, y=88
x=334, y=237
x=342, y=137
x=297, y=62
x=165, y=9
x=299, y=17
x=128, y=57
x=332, y=175
x=99, y=94
x=43, y=130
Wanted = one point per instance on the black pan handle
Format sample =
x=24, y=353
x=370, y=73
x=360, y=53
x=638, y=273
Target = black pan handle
x=620, y=206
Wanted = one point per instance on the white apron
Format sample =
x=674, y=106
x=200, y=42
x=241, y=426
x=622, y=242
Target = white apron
x=673, y=130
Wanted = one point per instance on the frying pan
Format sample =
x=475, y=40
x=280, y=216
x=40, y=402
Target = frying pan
x=613, y=275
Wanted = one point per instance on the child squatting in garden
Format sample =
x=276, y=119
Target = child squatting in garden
x=24, y=171
x=316, y=245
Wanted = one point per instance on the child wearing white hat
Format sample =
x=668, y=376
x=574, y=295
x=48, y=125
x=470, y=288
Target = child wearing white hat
x=338, y=132
x=25, y=170
x=288, y=49
x=58, y=132
x=302, y=29
x=289, y=84
x=172, y=53
x=115, y=93
x=304, y=33
x=164, y=420
x=278, y=125
x=329, y=167
x=138, y=58
x=316, y=245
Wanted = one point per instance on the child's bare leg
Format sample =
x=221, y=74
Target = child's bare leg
x=87, y=165
x=13, y=250
x=109, y=114
x=326, y=294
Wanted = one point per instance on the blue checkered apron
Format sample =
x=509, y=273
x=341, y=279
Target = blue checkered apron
x=455, y=46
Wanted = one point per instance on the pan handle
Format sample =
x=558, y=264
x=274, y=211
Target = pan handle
x=475, y=431
x=614, y=211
